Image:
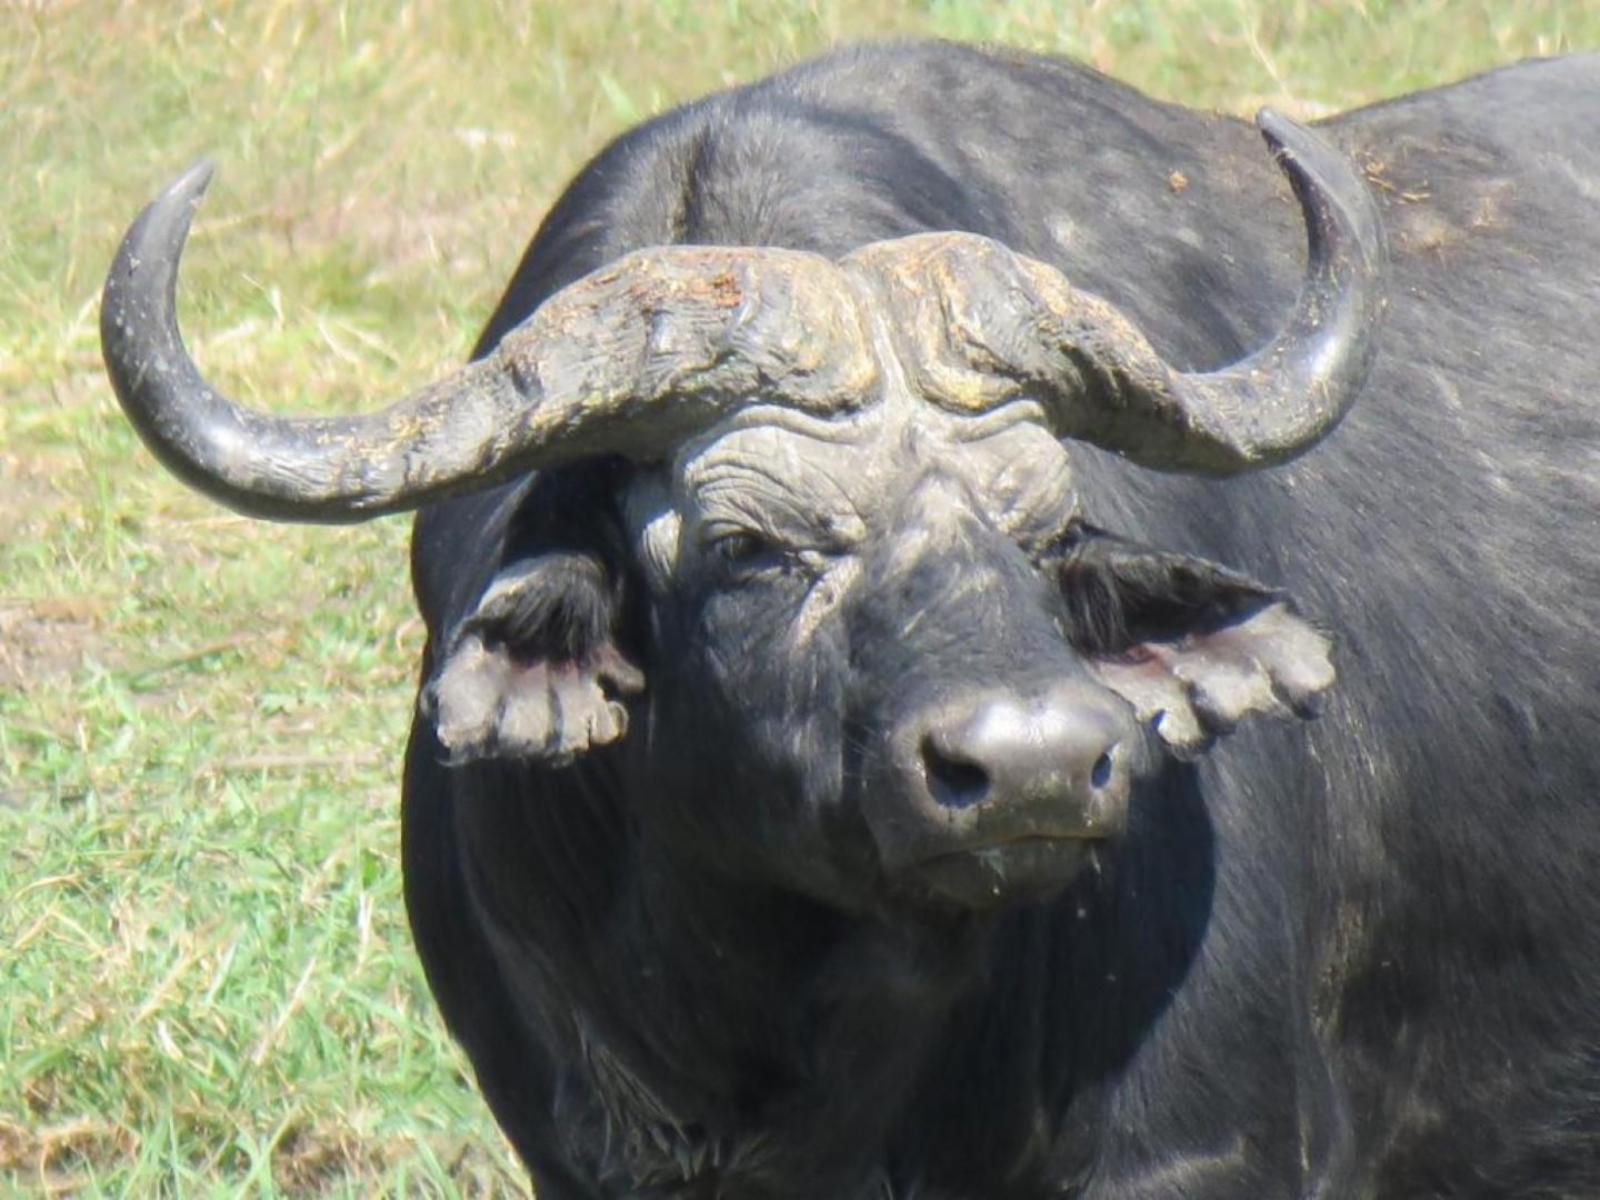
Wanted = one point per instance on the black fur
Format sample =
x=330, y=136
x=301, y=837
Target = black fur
x=1119, y=594
x=1355, y=958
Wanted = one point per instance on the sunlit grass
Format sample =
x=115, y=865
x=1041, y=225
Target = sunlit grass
x=207, y=985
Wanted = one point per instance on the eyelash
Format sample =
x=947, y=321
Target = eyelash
x=741, y=548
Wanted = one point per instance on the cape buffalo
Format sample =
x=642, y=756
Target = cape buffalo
x=834, y=773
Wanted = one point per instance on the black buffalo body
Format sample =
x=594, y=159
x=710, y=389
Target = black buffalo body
x=1355, y=957
x=706, y=953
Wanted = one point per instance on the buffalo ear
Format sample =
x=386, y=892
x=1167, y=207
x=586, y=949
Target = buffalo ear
x=532, y=672
x=1194, y=647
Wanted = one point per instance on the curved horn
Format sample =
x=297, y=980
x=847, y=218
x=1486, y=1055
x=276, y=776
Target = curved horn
x=995, y=325
x=706, y=328
x=1288, y=395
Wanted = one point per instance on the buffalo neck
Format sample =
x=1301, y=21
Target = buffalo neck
x=829, y=1017
x=712, y=1007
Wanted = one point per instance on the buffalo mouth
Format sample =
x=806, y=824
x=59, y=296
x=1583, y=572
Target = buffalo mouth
x=991, y=875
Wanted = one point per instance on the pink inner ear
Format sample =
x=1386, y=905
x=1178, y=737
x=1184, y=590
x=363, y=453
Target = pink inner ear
x=501, y=691
x=488, y=703
x=1146, y=682
x=1204, y=684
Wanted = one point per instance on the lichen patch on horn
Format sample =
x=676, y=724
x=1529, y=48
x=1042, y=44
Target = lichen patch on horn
x=670, y=337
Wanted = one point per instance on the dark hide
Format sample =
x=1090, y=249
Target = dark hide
x=1355, y=957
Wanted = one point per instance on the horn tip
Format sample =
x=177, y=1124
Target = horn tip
x=1317, y=168
x=161, y=229
x=192, y=182
x=1282, y=135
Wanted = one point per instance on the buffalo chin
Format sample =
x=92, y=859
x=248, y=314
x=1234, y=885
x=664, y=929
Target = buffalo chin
x=984, y=877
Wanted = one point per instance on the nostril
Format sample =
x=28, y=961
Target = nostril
x=953, y=782
x=1100, y=774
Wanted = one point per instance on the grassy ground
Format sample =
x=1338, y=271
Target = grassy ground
x=206, y=987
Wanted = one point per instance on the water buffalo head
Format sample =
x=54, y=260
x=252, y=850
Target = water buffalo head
x=882, y=651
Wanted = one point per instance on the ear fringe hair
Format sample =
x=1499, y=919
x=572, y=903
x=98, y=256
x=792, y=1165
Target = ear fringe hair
x=1119, y=594
x=563, y=611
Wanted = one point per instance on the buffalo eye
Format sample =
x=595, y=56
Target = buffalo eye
x=741, y=548
x=743, y=554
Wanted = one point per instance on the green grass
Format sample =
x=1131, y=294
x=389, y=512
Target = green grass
x=206, y=986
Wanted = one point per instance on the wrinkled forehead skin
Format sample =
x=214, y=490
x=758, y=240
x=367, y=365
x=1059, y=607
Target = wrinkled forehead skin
x=827, y=488
x=933, y=321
